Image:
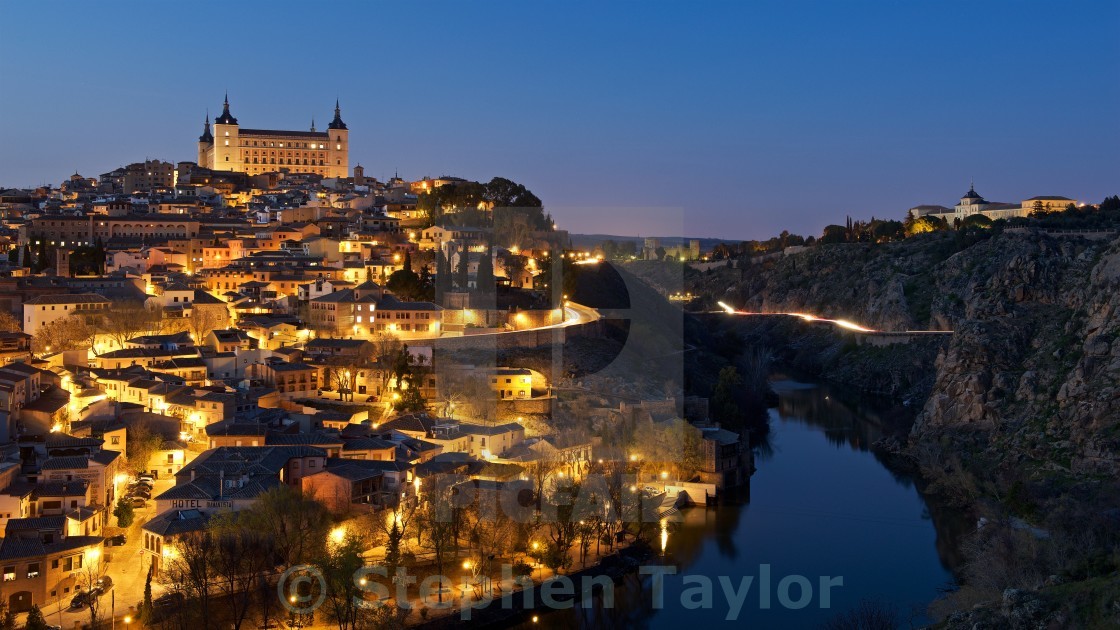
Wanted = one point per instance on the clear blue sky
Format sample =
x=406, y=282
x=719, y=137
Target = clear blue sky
x=734, y=119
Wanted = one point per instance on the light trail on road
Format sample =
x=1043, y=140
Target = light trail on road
x=841, y=323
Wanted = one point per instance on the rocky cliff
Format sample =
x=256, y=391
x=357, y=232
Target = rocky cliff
x=1030, y=380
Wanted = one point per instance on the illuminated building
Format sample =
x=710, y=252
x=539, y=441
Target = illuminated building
x=230, y=147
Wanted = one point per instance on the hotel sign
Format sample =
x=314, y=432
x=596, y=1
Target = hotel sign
x=195, y=504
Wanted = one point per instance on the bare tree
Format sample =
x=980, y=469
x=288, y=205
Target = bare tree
x=296, y=524
x=126, y=320
x=386, y=349
x=242, y=557
x=9, y=322
x=189, y=569
x=204, y=318
x=93, y=568
x=60, y=335
x=436, y=521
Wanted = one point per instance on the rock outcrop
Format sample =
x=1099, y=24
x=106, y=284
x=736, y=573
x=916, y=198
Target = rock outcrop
x=1030, y=378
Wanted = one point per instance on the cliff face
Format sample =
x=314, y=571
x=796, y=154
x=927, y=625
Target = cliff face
x=1030, y=379
x=1033, y=361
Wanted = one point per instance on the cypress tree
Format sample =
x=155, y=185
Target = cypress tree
x=485, y=279
x=462, y=273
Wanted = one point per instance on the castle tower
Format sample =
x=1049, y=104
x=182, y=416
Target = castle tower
x=359, y=175
x=205, y=143
x=339, y=148
x=226, y=153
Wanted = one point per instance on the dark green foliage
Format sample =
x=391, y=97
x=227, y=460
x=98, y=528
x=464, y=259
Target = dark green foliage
x=462, y=271
x=409, y=285
x=459, y=204
x=725, y=396
x=484, y=279
x=123, y=511
x=35, y=620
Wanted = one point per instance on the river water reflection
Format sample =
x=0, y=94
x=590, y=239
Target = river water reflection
x=820, y=504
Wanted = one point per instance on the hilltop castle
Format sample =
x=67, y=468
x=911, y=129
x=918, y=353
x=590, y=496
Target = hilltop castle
x=230, y=147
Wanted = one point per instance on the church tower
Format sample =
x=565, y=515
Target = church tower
x=226, y=154
x=339, y=148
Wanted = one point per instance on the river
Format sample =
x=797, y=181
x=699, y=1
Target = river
x=819, y=504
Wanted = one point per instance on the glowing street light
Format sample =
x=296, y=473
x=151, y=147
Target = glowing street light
x=338, y=534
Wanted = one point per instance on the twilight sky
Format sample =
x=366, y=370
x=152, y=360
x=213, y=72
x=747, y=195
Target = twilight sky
x=734, y=120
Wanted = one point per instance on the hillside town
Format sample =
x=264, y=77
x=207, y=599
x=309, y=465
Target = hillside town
x=185, y=341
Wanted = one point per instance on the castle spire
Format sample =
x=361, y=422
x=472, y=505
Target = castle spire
x=312, y=124
x=225, y=118
x=206, y=135
x=337, y=122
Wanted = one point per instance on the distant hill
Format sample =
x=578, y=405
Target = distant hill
x=587, y=241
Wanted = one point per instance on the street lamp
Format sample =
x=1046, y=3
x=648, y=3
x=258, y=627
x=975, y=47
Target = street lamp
x=337, y=535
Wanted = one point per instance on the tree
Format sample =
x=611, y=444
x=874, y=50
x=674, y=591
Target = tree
x=436, y=520
x=9, y=322
x=922, y=225
x=296, y=524
x=462, y=271
x=7, y=617
x=406, y=283
x=393, y=547
x=124, y=512
x=725, y=406
x=204, y=318
x=975, y=220
x=61, y=335
x=386, y=348
x=243, y=558
x=443, y=275
x=141, y=444
x=834, y=234
x=408, y=382
x=93, y=567
x=189, y=569
x=484, y=279
x=146, y=605
x=128, y=320
x=35, y=620
x=341, y=564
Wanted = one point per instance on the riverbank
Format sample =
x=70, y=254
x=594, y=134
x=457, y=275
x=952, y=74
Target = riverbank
x=519, y=605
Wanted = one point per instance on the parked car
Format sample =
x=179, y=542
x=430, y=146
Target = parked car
x=138, y=502
x=148, y=479
x=103, y=583
x=140, y=492
x=118, y=540
x=165, y=605
x=169, y=601
x=81, y=600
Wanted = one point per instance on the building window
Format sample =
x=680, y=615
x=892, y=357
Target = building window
x=33, y=570
x=9, y=574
